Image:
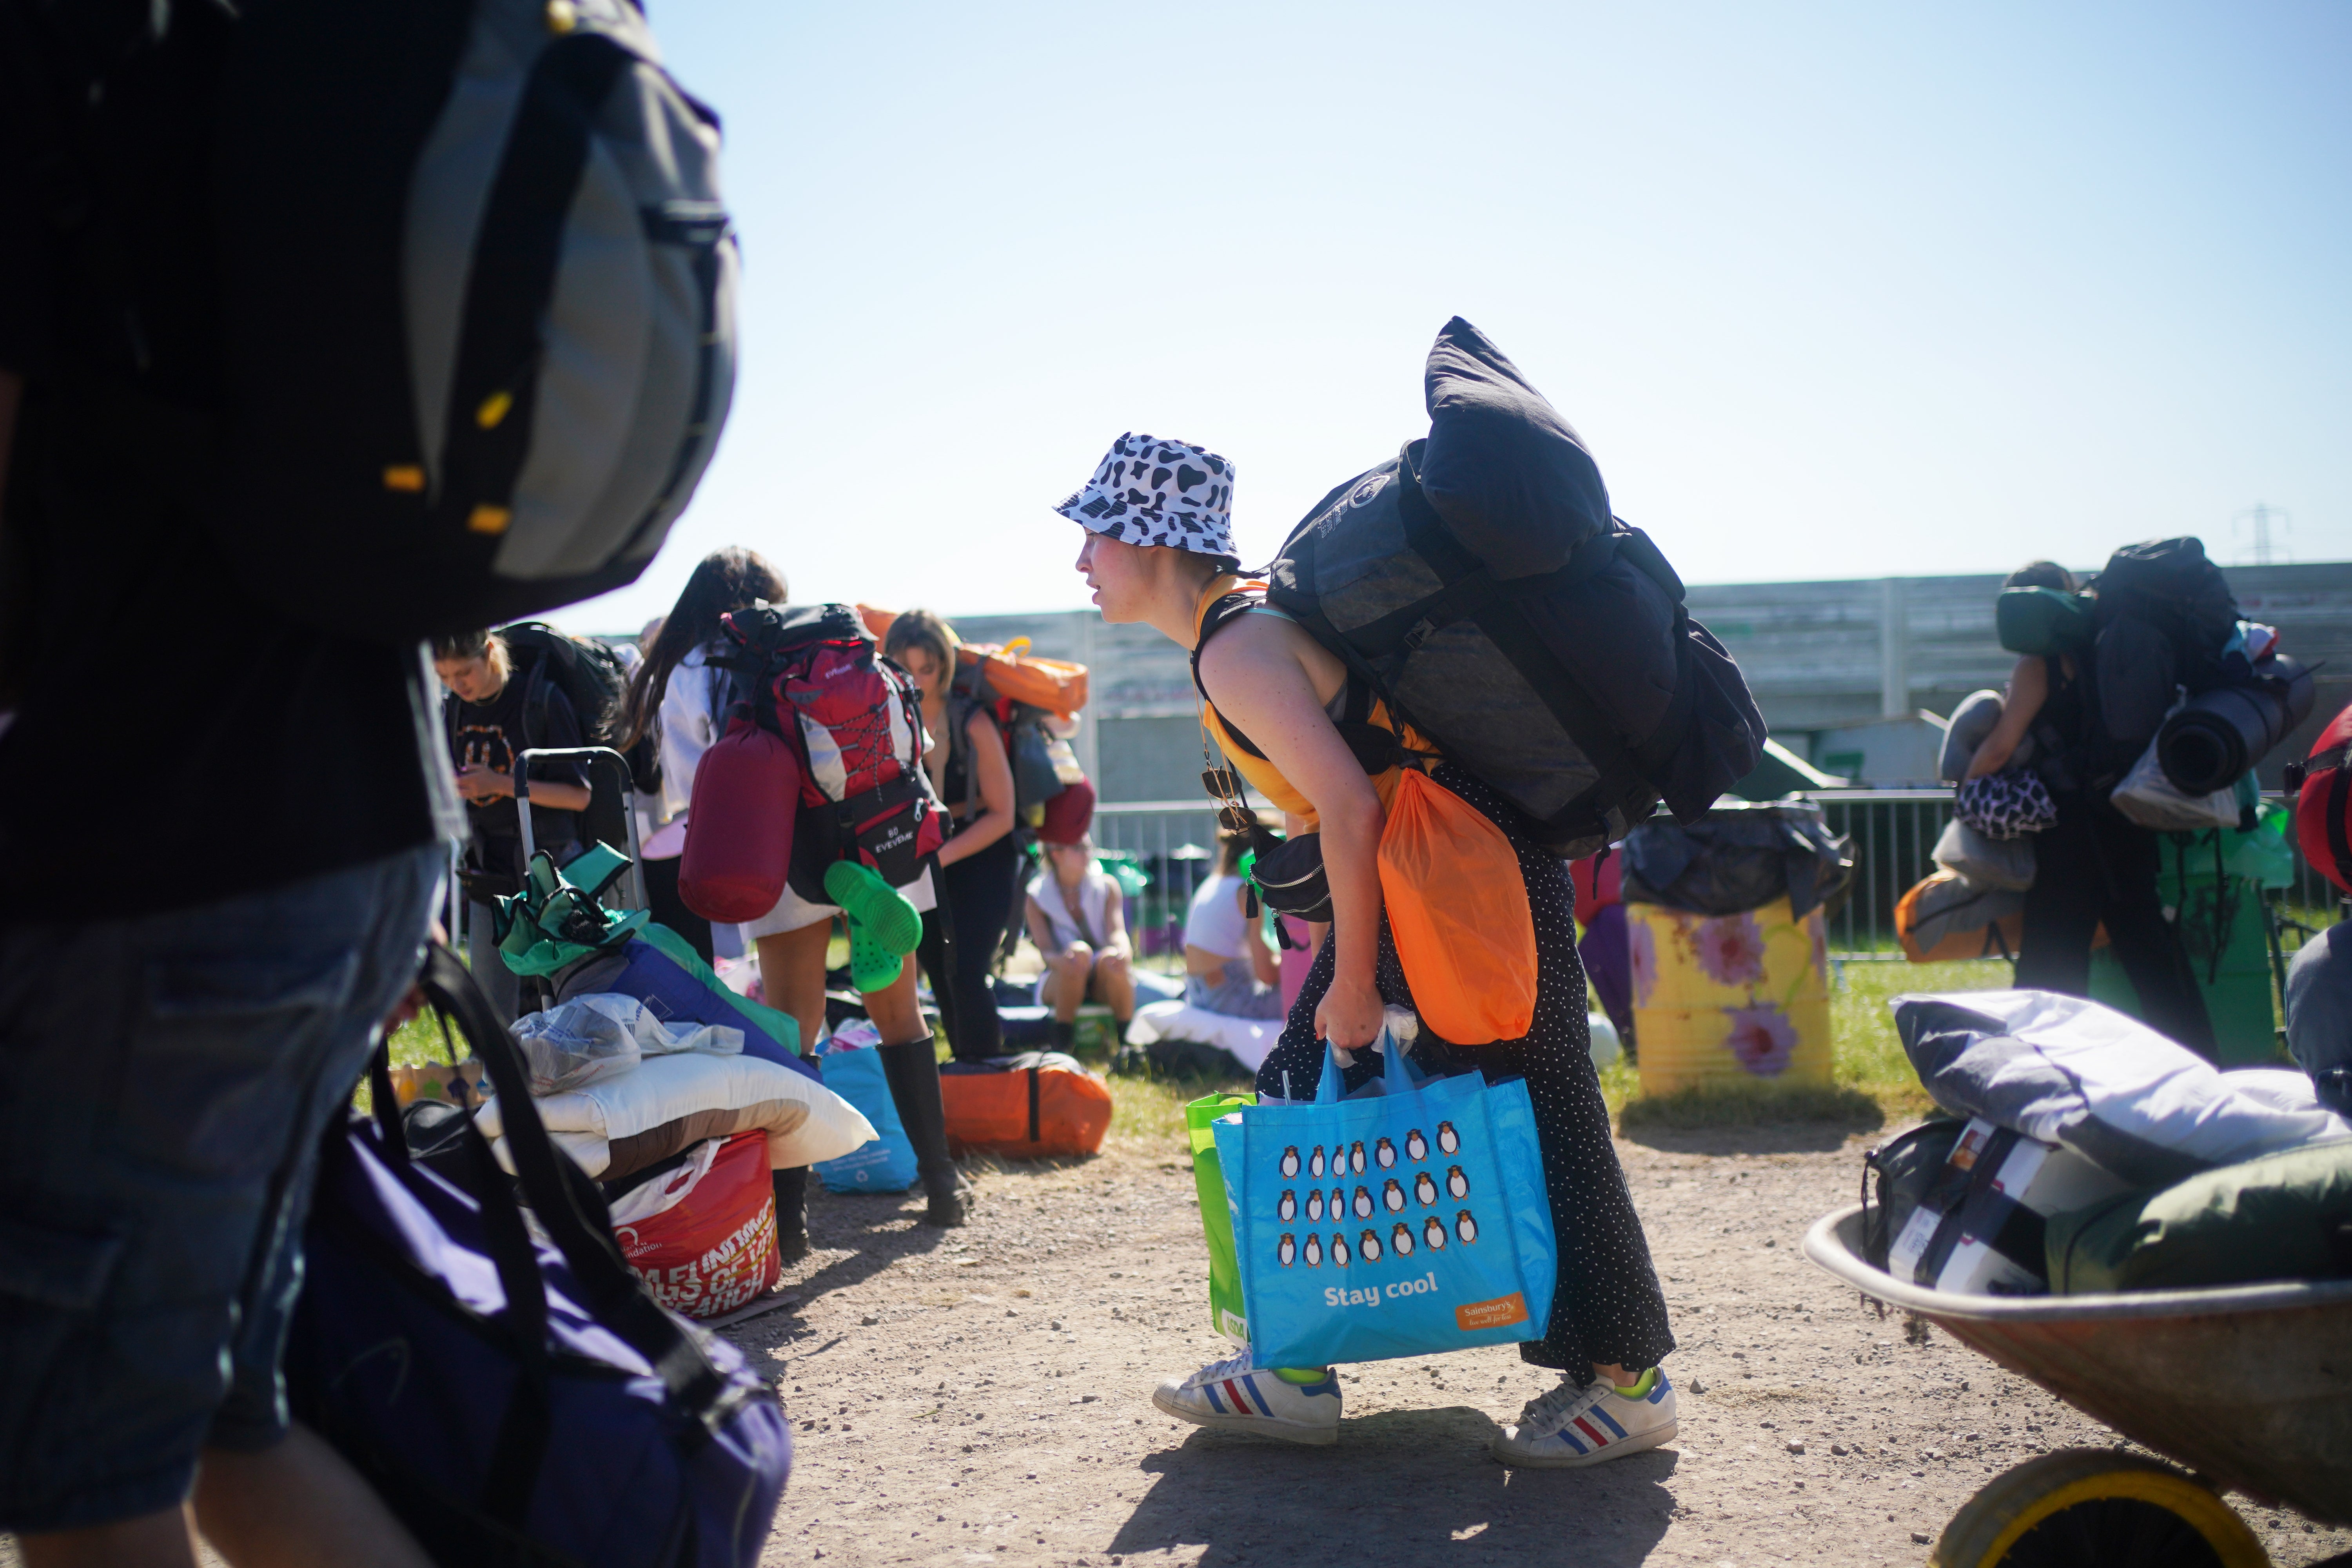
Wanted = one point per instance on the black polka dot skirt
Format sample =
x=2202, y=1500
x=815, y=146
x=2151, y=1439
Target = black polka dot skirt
x=1608, y=1306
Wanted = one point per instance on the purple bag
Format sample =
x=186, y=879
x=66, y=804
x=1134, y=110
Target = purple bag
x=661, y=971
x=513, y=1402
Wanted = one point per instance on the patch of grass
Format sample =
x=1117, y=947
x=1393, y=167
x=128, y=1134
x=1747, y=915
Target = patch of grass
x=1149, y=1109
x=1871, y=1082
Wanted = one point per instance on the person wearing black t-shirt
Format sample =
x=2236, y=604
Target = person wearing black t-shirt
x=222, y=830
x=486, y=719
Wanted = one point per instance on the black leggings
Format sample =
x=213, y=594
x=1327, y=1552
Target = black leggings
x=1607, y=1306
x=958, y=950
x=2094, y=866
x=669, y=909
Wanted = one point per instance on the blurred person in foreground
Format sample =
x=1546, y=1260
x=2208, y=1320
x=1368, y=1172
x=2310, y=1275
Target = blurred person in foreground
x=221, y=836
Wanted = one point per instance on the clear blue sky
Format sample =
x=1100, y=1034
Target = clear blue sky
x=1831, y=290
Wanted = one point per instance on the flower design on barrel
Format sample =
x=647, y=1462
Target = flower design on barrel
x=1731, y=948
x=1762, y=1039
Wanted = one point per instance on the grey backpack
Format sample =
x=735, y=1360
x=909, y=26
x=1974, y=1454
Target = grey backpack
x=479, y=306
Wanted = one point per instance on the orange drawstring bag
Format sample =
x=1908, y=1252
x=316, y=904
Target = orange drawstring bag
x=1458, y=909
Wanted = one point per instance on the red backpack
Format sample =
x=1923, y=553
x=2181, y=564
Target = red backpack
x=812, y=676
x=2322, y=786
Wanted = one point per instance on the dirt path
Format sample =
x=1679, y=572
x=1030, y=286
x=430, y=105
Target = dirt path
x=983, y=1396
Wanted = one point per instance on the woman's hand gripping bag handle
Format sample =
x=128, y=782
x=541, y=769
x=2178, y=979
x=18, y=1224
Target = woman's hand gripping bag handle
x=1408, y=1222
x=1457, y=908
x=738, y=827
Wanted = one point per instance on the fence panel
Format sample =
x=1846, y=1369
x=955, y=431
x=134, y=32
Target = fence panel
x=1893, y=832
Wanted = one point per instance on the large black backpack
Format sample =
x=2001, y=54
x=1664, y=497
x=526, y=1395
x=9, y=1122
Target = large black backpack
x=1478, y=584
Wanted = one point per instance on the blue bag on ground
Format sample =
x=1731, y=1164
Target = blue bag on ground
x=518, y=1402
x=1405, y=1223
x=885, y=1165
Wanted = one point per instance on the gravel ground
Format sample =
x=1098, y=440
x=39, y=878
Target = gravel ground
x=984, y=1394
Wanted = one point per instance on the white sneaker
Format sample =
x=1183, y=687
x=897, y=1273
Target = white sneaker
x=1240, y=1395
x=1572, y=1426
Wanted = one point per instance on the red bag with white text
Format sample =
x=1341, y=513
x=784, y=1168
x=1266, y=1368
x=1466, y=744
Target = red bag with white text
x=703, y=1236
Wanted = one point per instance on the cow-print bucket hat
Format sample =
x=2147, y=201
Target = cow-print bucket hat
x=1149, y=491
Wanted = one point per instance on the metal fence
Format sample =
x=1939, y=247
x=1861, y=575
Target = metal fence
x=1893, y=832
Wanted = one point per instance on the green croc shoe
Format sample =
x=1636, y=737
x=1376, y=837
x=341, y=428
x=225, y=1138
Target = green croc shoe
x=872, y=966
x=889, y=919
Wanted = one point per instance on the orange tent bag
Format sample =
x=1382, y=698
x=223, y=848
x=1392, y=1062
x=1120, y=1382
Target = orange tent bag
x=1459, y=911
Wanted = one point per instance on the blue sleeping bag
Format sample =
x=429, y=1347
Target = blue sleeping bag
x=659, y=968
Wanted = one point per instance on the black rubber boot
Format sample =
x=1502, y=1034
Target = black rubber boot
x=914, y=1073
x=1065, y=1036
x=791, y=1213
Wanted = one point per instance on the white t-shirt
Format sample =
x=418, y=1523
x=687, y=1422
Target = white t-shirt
x=1094, y=895
x=1215, y=922
x=689, y=724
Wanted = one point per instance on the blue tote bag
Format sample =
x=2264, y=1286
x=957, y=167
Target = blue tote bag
x=1404, y=1223
x=887, y=1164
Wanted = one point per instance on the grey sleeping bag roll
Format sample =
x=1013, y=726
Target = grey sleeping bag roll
x=2071, y=1071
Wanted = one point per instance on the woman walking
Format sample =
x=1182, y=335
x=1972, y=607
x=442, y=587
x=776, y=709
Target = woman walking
x=1164, y=557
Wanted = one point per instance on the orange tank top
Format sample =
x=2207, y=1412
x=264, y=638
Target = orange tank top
x=1260, y=772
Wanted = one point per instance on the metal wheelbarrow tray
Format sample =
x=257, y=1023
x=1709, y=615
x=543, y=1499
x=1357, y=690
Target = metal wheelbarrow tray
x=2249, y=1386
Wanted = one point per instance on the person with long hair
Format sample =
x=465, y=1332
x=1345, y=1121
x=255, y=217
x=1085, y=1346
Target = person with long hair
x=2093, y=865
x=1159, y=550
x=972, y=776
x=675, y=695
x=485, y=718
x=678, y=692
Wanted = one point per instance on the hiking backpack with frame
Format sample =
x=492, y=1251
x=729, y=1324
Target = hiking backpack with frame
x=813, y=676
x=1478, y=586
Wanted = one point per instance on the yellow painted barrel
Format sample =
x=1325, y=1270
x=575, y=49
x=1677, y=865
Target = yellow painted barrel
x=1729, y=998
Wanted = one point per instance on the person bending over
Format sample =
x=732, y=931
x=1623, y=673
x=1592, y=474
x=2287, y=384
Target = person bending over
x=1228, y=968
x=1077, y=917
x=487, y=729
x=1164, y=560
x=2093, y=865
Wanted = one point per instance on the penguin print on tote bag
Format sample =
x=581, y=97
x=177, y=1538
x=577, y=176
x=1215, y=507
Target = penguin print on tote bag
x=1433, y=1234
x=1315, y=1206
x=1449, y=1142
x=1285, y=1208
x=1425, y=1187
x=1416, y=1147
x=1401, y=1240
x=1287, y=1249
x=1368, y=1248
x=1364, y=1202
x=1314, y=1163
x=1457, y=1185
x=1385, y=1155
x=1465, y=1227
x=1313, y=1250
x=1289, y=1165
x=1392, y=1196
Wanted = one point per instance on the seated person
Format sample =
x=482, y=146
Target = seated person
x=1077, y=917
x=1227, y=966
x=2319, y=1014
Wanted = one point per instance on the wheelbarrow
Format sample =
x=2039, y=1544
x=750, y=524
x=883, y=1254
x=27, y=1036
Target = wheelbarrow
x=2249, y=1387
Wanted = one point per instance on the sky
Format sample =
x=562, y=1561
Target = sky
x=1831, y=290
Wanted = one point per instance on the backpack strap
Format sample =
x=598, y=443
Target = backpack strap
x=1376, y=747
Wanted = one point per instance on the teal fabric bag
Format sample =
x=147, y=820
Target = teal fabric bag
x=887, y=1164
x=1403, y=1223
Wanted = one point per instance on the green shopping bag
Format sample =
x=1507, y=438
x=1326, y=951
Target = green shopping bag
x=1225, y=1312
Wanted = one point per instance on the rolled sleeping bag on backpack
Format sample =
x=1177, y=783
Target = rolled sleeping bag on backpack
x=738, y=827
x=2217, y=735
x=1972, y=721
